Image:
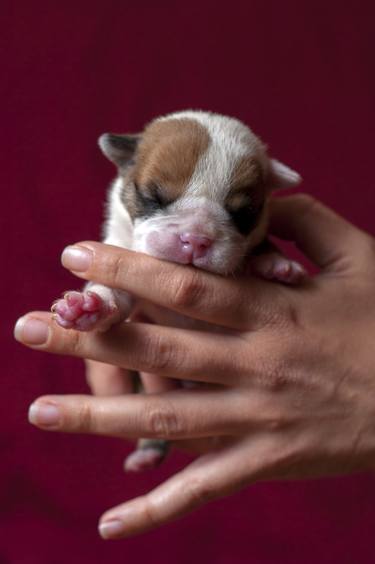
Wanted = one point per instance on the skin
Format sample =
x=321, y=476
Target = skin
x=290, y=384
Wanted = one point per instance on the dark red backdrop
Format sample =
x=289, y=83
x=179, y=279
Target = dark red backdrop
x=301, y=74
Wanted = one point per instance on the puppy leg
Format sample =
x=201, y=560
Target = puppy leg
x=149, y=454
x=274, y=266
x=96, y=308
x=269, y=263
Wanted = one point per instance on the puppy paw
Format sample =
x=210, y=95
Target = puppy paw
x=148, y=454
x=273, y=266
x=143, y=459
x=83, y=311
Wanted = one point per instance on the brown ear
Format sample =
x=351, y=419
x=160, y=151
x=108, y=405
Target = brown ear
x=119, y=149
x=281, y=176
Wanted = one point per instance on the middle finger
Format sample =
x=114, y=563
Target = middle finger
x=168, y=352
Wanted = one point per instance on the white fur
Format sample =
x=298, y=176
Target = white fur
x=230, y=140
x=118, y=231
x=118, y=228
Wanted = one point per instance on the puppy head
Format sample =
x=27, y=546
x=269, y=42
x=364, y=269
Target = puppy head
x=195, y=185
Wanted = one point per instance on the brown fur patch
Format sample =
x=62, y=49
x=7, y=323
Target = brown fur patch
x=247, y=171
x=246, y=184
x=168, y=154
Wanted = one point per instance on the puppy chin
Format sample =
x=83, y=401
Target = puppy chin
x=222, y=256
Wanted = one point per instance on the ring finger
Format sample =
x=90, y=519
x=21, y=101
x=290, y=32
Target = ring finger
x=173, y=415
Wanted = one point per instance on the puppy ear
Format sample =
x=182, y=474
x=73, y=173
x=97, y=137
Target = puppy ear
x=119, y=149
x=281, y=176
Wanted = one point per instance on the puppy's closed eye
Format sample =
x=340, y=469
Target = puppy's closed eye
x=245, y=207
x=246, y=217
x=151, y=199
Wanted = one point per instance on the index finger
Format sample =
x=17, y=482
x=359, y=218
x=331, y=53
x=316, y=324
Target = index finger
x=192, y=292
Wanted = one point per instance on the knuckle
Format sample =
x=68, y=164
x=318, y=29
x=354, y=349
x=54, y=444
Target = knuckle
x=151, y=512
x=288, y=315
x=84, y=417
x=292, y=316
x=189, y=290
x=162, y=421
x=277, y=381
x=158, y=354
x=275, y=422
x=116, y=270
x=70, y=342
x=272, y=374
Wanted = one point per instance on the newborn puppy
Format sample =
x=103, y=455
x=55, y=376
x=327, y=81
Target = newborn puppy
x=193, y=189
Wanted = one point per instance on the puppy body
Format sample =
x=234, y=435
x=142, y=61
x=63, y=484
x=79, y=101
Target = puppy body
x=193, y=189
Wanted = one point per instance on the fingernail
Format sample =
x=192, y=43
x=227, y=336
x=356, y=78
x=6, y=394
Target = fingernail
x=111, y=528
x=76, y=258
x=31, y=331
x=44, y=414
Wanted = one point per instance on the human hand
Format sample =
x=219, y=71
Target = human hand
x=292, y=382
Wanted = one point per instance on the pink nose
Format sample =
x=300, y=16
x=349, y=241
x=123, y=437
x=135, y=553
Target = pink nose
x=197, y=245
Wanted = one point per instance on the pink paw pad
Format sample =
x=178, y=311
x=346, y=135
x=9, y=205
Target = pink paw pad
x=288, y=271
x=79, y=310
x=143, y=459
x=274, y=267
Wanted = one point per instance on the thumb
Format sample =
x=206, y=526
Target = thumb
x=323, y=236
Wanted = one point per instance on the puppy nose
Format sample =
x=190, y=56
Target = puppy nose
x=196, y=244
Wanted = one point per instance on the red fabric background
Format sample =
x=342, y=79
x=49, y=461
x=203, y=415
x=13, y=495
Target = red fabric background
x=301, y=74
